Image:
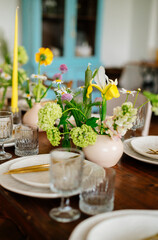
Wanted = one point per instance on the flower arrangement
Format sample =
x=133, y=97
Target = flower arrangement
x=6, y=69
x=69, y=118
x=35, y=90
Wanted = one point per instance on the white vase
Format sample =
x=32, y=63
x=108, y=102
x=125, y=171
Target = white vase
x=106, y=152
x=31, y=116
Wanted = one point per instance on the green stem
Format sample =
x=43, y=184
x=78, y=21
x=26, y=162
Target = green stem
x=143, y=104
x=3, y=97
x=65, y=133
x=66, y=140
x=46, y=92
x=127, y=97
x=136, y=98
x=74, y=109
x=38, y=89
x=103, y=113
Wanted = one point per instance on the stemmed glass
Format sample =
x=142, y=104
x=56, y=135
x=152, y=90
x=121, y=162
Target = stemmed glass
x=6, y=128
x=66, y=169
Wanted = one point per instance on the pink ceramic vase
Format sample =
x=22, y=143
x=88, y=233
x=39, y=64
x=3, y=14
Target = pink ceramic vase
x=31, y=116
x=106, y=152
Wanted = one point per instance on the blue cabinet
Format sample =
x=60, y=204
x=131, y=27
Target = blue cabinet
x=71, y=28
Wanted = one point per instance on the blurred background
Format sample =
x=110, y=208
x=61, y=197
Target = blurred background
x=121, y=35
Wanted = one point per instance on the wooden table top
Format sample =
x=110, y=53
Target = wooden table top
x=136, y=187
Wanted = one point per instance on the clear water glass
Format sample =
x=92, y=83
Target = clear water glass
x=6, y=128
x=26, y=140
x=66, y=169
x=140, y=119
x=97, y=195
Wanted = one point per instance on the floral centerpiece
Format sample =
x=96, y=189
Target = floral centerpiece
x=69, y=118
x=35, y=87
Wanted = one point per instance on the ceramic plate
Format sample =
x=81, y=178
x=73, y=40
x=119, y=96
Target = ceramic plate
x=41, y=179
x=131, y=227
x=130, y=152
x=143, y=144
x=83, y=229
x=10, y=183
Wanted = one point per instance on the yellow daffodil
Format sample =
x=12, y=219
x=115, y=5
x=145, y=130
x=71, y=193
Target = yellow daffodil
x=44, y=56
x=107, y=87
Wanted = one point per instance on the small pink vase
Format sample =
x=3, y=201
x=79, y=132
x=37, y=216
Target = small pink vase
x=31, y=116
x=106, y=152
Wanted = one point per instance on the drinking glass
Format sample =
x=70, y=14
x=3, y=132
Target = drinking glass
x=6, y=128
x=97, y=195
x=66, y=169
x=26, y=140
x=139, y=122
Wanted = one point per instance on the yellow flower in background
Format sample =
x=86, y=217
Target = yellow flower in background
x=108, y=88
x=44, y=56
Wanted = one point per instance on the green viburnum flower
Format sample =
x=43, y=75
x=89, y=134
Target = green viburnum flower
x=83, y=136
x=22, y=55
x=48, y=114
x=53, y=136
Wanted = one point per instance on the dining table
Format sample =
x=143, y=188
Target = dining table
x=26, y=217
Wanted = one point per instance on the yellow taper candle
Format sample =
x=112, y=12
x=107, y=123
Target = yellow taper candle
x=14, y=100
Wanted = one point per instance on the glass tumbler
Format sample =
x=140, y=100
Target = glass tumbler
x=97, y=195
x=26, y=140
x=6, y=129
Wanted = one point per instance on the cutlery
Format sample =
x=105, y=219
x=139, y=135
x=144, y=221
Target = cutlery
x=35, y=168
x=152, y=151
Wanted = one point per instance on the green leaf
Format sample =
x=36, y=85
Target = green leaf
x=95, y=72
x=92, y=122
x=63, y=119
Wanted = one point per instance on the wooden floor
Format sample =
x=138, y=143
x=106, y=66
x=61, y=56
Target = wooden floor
x=154, y=125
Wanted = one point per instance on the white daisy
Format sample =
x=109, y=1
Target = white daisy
x=124, y=91
x=6, y=76
x=27, y=95
x=42, y=77
x=59, y=81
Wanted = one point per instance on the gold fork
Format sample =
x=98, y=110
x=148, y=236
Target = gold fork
x=35, y=168
x=152, y=151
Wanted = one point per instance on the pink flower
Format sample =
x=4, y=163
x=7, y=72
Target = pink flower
x=1, y=70
x=63, y=68
x=57, y=76
x=67, y=96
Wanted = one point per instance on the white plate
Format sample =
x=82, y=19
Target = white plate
x=41, y=179
x=142, y=144
x=132, y=227
x=9, y=183
x=130, y=152
x=83, y=229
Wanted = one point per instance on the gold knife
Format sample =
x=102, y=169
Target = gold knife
x=35, y=168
